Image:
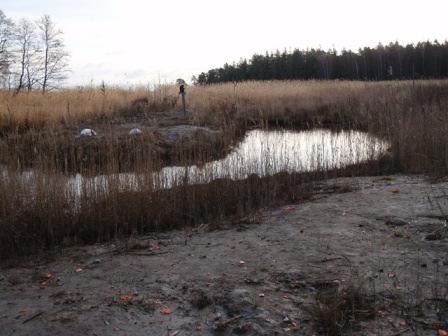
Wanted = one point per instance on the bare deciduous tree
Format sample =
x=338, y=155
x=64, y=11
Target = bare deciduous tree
x=6, y=37
x=26, y=54
x=54, y=59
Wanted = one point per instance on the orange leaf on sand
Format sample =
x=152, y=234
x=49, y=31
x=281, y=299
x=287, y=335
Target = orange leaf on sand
x=125, y=298
x=442, y=332
x=165, y=310
x=155, y=247
x=46, y=279
x=288, y=209
x=293, y=325
x=48, y=275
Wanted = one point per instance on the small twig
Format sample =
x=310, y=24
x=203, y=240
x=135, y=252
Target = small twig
x=401, y=332
x=330, y=259
x=438, y=205
x=33, y=317
x=426, y=324
x=315, y=266
x=229, y=321
x=147, y=254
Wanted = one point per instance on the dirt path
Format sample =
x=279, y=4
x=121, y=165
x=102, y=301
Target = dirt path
x=257, y=277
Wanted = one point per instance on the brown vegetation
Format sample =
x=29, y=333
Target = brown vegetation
x=37, y=211
x=334, y=313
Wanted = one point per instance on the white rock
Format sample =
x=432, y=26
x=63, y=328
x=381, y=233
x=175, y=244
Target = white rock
x=135, y=131
x=87, y=132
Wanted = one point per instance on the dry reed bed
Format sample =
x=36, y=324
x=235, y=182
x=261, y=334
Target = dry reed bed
x=73, y=106
x=39, y=214
x=42, y=215
x=267, y=100
x=411, y=115
x=61, y=151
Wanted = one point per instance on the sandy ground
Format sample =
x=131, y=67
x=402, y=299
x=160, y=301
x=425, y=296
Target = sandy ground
x=258, y=276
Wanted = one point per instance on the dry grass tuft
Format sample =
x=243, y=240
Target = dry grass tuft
x=334, y=313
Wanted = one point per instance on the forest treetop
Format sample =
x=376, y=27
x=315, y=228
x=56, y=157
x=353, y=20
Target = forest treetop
x=393, y=61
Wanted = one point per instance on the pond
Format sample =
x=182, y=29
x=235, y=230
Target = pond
x=261, y=152
x=269, y=152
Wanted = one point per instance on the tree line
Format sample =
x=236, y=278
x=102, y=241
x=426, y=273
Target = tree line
x=394, y=61
x=32, y=54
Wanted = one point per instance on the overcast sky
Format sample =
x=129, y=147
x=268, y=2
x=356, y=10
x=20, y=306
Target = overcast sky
x=141, y=41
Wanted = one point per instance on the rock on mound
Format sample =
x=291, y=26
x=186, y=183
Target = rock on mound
x=187, y=132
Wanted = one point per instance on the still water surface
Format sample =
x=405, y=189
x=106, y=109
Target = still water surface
x=270, y=152
x=262, y=153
